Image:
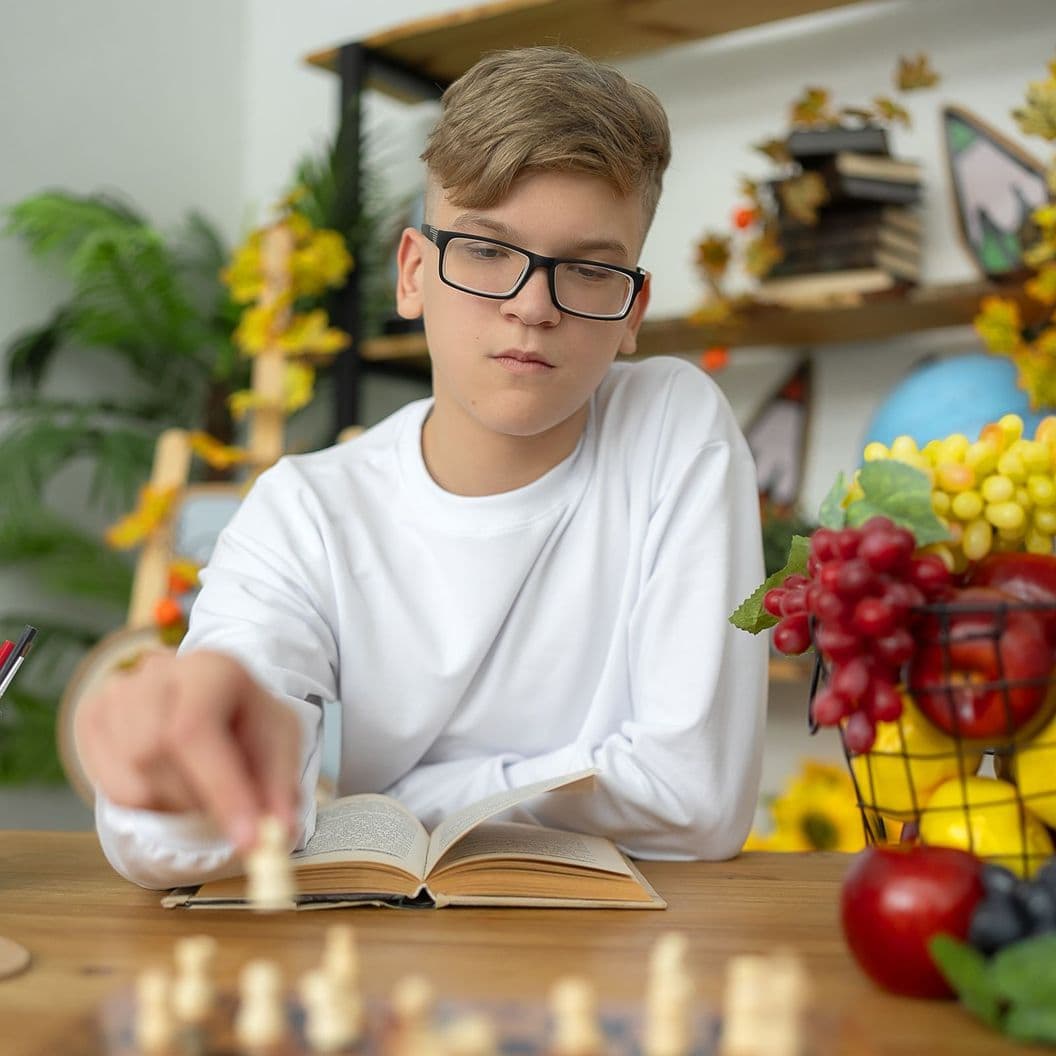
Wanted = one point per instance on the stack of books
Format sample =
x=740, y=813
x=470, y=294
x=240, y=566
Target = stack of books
x=868, y=235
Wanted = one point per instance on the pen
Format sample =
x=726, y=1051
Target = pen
x=15, y=657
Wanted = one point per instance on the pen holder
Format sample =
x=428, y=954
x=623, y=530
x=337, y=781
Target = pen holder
x=971, y=760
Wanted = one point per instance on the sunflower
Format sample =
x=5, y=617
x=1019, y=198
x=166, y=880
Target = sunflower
x=816, y=811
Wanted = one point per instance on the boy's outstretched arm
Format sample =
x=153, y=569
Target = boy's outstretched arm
x=680, y=757
x=187, y=752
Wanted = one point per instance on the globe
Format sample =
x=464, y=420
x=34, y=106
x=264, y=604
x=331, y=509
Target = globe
x=956, y=395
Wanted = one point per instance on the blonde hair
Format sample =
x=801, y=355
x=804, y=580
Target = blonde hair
x=547, y=109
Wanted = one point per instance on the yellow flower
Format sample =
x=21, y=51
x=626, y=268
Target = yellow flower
x=257, y=329
x=150, y=513
x=244, y=276
x=308, y=334
x=298, y=386
x=1043, y=286
x=999, y=324
x=321, y=262
x=216, y=454
x=817, y=811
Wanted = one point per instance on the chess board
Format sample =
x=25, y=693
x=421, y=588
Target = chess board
x=522, y=1028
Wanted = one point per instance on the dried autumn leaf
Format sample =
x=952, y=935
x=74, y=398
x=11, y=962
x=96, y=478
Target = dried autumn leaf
x=803, y=195
x=913, y=74
x=749, y=189
x=999, y=324
x=889, y=110
x=776, y=150
x=1043, y=286
x=812, y=108
x=712, y=313
x=1038, y=117
x=860, y=113
x=761, y=254
x=713, y=254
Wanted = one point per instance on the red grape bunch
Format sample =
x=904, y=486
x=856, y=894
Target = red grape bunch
x=859, y=598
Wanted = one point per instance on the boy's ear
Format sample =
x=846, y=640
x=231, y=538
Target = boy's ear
x=629, y=341
x=410, y=265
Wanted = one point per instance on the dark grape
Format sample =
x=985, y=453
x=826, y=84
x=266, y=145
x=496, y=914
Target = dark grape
x=854, y=579
x=1046, y=875
x=929, y=574
x=847, y=542
x=795, y=600
x=827, y=606
x=896, y=648
x=997, y=880
x=795, y=580
x=837, y=644
x=883, y=703
x=886, y=550
x=1039, y=904
x=997, y=922
x=823, y=544
x=879, y=523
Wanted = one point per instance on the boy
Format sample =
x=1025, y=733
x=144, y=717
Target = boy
x=524, y=576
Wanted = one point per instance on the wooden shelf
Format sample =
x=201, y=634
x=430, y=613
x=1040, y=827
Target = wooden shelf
x=924, y=308
x=791, y=670
x=442, y=47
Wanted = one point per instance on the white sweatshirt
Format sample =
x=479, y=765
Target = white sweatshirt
x=483, y=643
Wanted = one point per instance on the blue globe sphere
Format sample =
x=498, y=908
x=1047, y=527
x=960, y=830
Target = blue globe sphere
x=958, y=395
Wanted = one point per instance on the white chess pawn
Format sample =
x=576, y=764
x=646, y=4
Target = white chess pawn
x=155, y=1026
x=340, y=955
x=668, y=1029
x=576, y=1030
x=261, y=1017
x=412, y=1005
x=330, y=1022
x=471, y=1036
x=269, y=871
x=194, y=994
x=341, y=965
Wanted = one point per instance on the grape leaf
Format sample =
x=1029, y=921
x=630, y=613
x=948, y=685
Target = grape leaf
x=1031, y=1023
x=750, y=615
x=893, y=489
x=965, y=969
x=1025, y=972
x=832, y=514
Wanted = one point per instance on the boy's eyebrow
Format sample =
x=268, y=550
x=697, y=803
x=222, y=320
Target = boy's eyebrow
x=507, y=234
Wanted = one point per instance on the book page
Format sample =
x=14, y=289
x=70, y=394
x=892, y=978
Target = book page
x=457, y=825
x=367, y=828
x=511, y=839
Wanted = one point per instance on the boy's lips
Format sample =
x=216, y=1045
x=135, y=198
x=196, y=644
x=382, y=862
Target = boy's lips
x=521, y=361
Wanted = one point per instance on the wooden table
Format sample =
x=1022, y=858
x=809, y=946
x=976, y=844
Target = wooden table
x=89, y=932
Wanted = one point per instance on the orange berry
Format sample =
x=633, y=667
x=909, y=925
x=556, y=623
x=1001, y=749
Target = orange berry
x=744, y=217
x=714, y=359
x=167, y=612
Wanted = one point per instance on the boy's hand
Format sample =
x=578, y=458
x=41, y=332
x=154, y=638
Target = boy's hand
x=193, y=732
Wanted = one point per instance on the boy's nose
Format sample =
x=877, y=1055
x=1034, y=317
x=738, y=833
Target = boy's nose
x=533, y=304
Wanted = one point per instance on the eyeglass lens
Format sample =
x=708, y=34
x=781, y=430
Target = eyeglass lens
x=482, y=267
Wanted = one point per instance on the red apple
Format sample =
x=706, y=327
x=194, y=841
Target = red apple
x=894, y=899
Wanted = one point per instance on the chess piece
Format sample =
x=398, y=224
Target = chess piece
x=576, y=1030
x=668, y=1029
x=331, y=1023
x=261, y=1018
x=269, y=871
x=412, y=1005
x=341, y=965
x=762, y=1013
x=155, y=1027
x=194, y=994
x=470, y=1036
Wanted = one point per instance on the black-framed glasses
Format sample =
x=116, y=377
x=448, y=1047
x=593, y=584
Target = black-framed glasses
x=488, y=267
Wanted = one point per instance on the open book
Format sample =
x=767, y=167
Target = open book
x=369, y=849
